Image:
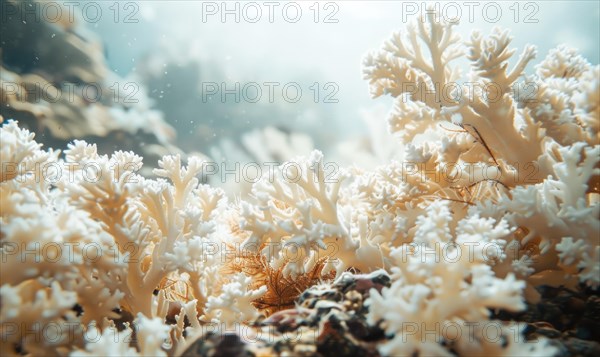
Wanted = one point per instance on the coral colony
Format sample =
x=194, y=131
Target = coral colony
x=494, y=203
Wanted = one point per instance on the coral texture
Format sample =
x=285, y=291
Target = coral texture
x=496, y=194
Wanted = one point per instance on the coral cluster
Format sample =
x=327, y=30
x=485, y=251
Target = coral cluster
x=496, y=194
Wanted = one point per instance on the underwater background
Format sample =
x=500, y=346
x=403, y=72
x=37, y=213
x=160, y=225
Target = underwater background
x=306, y=52
x=199, y=66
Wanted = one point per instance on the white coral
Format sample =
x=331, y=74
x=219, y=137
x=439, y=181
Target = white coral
x=495, y=196
x=234, y=305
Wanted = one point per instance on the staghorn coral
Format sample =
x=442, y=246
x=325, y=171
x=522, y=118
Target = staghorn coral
x=124, y=235
x=449, y=298
x=495, y=196
x=496, y=150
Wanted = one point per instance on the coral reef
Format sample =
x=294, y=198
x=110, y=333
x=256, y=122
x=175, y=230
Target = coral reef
x=495, y=200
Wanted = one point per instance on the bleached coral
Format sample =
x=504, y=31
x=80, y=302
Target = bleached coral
x=298, y=214
x=497, y=193
x=91, y=234
x=234, y=305
x=511, y=154
x=527, y=162
x=444, y=288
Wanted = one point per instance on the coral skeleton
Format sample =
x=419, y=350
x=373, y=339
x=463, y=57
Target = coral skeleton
x=494, y=194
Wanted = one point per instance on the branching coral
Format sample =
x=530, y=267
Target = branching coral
x=298, y=216
x=234, y=306
x=515, y=154
x=97, y=237
x=496, y=195
x=444, y=287
x=524, y=160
